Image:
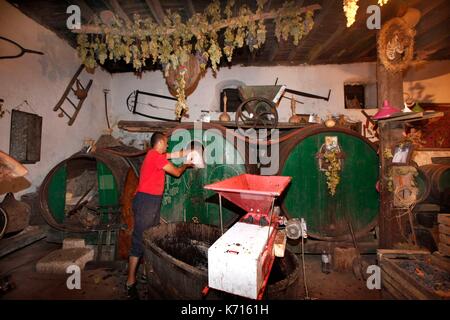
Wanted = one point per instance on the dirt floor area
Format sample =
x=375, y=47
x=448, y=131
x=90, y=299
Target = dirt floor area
x=105, y=281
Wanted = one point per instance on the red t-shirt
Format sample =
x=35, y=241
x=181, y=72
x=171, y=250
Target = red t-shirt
x=152, y=175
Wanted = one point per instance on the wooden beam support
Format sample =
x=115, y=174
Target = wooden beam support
x=93, y=29
x=274, y=51
x=353, y=34
x=391, y=228
x=321, y=48
x=431, y=5
x=157, y=10
x=368, y=46
x=317, y=23
x=114, y=6
x=190, y=7
x=433, y=37
x=355, y=48
x=87, y=14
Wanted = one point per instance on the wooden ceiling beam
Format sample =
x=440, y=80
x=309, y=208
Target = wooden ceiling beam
x=87, y=14
x=114, y=6
x=190, y=7
x=372, y=45
x=274, y=51
x=317, y=23
x=342, y=33
x=316, y=51
x=157, y=10
x=430, y=6
x=430, y=21
x=433, y=37
x=354, y=48
x=224, y=24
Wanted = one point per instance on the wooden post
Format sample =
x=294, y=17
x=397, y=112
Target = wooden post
x=392, y=230
x=390, y=87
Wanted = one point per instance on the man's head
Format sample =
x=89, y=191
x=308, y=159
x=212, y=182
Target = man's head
x=158, y=142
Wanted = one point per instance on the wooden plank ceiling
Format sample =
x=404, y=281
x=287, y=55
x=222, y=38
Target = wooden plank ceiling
x=329, y=42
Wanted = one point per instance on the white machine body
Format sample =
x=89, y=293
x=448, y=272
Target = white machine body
x=236, y=259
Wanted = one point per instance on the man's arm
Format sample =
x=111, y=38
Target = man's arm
x=176, y=154
x=176, y=171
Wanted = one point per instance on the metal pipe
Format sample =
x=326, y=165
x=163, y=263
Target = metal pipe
x=220, y=213
x=271, y=215
x=105, y=91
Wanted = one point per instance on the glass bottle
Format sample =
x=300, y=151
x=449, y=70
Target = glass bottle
x=326, y=262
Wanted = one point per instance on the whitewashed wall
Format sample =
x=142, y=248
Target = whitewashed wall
x=313, y=79
x=430, y=82
x=41, y=80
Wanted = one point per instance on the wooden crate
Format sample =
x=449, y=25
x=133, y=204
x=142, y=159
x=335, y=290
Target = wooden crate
x=444, y=234
x=409, y=274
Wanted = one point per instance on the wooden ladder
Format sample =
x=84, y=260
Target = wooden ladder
x=80, y=92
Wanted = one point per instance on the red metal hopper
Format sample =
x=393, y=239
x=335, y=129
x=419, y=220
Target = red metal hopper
x=253, y=193
x=256, y=195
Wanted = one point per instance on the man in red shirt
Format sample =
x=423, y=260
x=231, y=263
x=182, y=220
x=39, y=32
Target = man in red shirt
x=147, y=202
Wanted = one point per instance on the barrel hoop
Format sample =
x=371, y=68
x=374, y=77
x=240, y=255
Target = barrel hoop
x=113, y=164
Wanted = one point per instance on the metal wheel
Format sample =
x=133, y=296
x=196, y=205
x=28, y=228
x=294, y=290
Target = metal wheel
x=131, y=101
x=256, y=112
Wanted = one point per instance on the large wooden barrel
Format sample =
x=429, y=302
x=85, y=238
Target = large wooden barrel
x=356, y=198
x=18, y=213
x=176, y=259
x=439, y=179
x=3, y=222
x=106, y=174
x=184, y=198
x=423, y=184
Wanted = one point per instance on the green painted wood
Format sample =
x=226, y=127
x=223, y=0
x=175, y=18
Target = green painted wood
x=308, y=197
x=108, y=194
x=56, y=196
x=444, y=182
x=185, y=198
x=423, y=184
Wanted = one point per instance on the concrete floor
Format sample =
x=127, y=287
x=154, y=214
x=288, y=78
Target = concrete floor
x=106, y=282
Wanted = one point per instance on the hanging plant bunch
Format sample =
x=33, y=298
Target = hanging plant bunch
x=351, y=8
x=330, y=159
x=333, y=167
x=172, y=43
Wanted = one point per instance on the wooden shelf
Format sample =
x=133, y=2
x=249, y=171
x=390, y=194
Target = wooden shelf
x=153, y=126
x=416, y=116
x=147, y=126
x=281, y=125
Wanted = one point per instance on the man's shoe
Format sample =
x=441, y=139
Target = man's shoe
x=132, y=292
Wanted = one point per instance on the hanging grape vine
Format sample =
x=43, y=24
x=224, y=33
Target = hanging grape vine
x=171, y=43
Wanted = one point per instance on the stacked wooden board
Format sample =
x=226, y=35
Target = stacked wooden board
x=413, y=275
x=444, y=234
